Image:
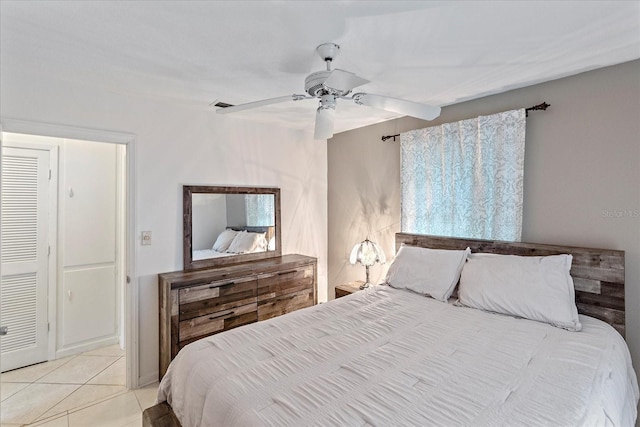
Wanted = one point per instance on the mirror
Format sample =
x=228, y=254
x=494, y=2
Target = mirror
x=228, y=225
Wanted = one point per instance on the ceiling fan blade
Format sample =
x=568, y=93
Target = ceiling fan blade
x=248, y=105
x=324, y=123
x=344, y=81
x=400, y=106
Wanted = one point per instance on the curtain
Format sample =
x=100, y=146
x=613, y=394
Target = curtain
x=260, y=209
x=464, y=179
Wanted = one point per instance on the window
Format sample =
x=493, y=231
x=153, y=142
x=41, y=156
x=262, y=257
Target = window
x=260, y=209
x=464, y=179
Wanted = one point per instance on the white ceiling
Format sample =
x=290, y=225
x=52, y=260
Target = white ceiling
x=436, y=52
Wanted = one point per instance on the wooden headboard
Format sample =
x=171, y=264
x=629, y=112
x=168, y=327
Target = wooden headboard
x=269, y=230
x=598, y=274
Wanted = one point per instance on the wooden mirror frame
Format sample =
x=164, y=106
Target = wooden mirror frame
x=187, y=209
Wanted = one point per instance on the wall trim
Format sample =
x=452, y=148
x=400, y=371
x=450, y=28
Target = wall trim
x=148, y=379
x=81, y=348
x=65, y=131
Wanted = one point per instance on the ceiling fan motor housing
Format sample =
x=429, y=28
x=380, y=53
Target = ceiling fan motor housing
x=329, y=85
x=314, y=85
x=327, y=101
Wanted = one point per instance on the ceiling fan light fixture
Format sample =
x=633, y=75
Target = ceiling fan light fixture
x=324, y=122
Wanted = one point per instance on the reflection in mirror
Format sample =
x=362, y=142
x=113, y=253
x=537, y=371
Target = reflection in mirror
x=217, y=219
x=225, y=225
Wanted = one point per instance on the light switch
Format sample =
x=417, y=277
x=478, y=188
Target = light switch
x=146, y=238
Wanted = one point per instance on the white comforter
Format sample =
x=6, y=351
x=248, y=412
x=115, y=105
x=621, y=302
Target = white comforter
x=386, y=357
x=209, y=253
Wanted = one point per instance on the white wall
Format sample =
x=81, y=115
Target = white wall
x=180, y=144
x=581, y=174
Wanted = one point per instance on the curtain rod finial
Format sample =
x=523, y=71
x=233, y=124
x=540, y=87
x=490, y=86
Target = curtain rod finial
x=384, y=138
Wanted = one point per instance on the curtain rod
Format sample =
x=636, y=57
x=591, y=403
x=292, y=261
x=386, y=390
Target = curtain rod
x=539, y=107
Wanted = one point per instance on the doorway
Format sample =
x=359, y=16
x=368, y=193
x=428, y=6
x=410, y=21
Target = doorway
x=75, y=339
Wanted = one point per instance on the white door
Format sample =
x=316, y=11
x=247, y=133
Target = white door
x=24, y=255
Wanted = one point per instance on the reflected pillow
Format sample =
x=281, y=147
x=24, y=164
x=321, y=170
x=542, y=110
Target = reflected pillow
x=432, y=272
x=262, y=244
x=535, y=288
x=224, y=240
x=245, y=242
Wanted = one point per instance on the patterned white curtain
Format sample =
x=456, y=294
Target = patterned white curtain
x=260, y=209
x=464, y=179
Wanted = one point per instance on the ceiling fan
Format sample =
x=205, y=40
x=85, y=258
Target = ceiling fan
x=329, y=85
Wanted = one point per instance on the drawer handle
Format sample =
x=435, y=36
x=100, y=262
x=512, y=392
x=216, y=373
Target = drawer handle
x=226, y=284
x=221, y=315
x=282, y=273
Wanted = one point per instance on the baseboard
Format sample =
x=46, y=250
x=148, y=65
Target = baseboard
x=148, y=379
x=81, y=348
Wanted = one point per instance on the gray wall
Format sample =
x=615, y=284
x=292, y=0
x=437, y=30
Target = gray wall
x=582, y=175
x=208, y=219
x=236, y=210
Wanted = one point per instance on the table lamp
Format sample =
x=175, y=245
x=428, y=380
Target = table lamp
x=367, y=253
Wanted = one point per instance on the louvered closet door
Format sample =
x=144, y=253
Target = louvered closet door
x=24, y=254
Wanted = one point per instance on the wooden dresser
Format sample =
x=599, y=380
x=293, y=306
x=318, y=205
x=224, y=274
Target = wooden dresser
x=198, y=303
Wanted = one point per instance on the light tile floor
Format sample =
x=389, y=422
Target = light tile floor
x=83, y=390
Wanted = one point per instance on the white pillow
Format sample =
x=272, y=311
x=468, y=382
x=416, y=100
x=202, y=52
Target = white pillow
x=224, y=240
x=245, y=242
x=535, y=288
x=261, y=244
x=433, y=272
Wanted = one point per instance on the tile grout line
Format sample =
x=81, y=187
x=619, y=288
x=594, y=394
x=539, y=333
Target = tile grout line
x=82, y=385
x=77, y=409
x=96, y=402
x=49, y=419
x=59, y=383
x=114, y=362
x=117, y=358
x=3, y=398
x=42, y=376
x=51, y=407
x=138, y=400
x=66, y=413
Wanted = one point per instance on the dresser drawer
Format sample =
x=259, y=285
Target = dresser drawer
x=199, y=327
x=285, y=304
x=196, y=304
x=213, y=297
x=285, y=282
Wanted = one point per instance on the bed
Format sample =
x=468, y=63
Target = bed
x=388, y=356
x=264, y=235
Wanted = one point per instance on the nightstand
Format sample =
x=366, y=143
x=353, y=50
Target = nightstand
x=348, y=288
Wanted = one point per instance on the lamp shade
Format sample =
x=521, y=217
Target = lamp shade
x=367, y=253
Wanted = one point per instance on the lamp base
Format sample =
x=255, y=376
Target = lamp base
x=365, y=285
